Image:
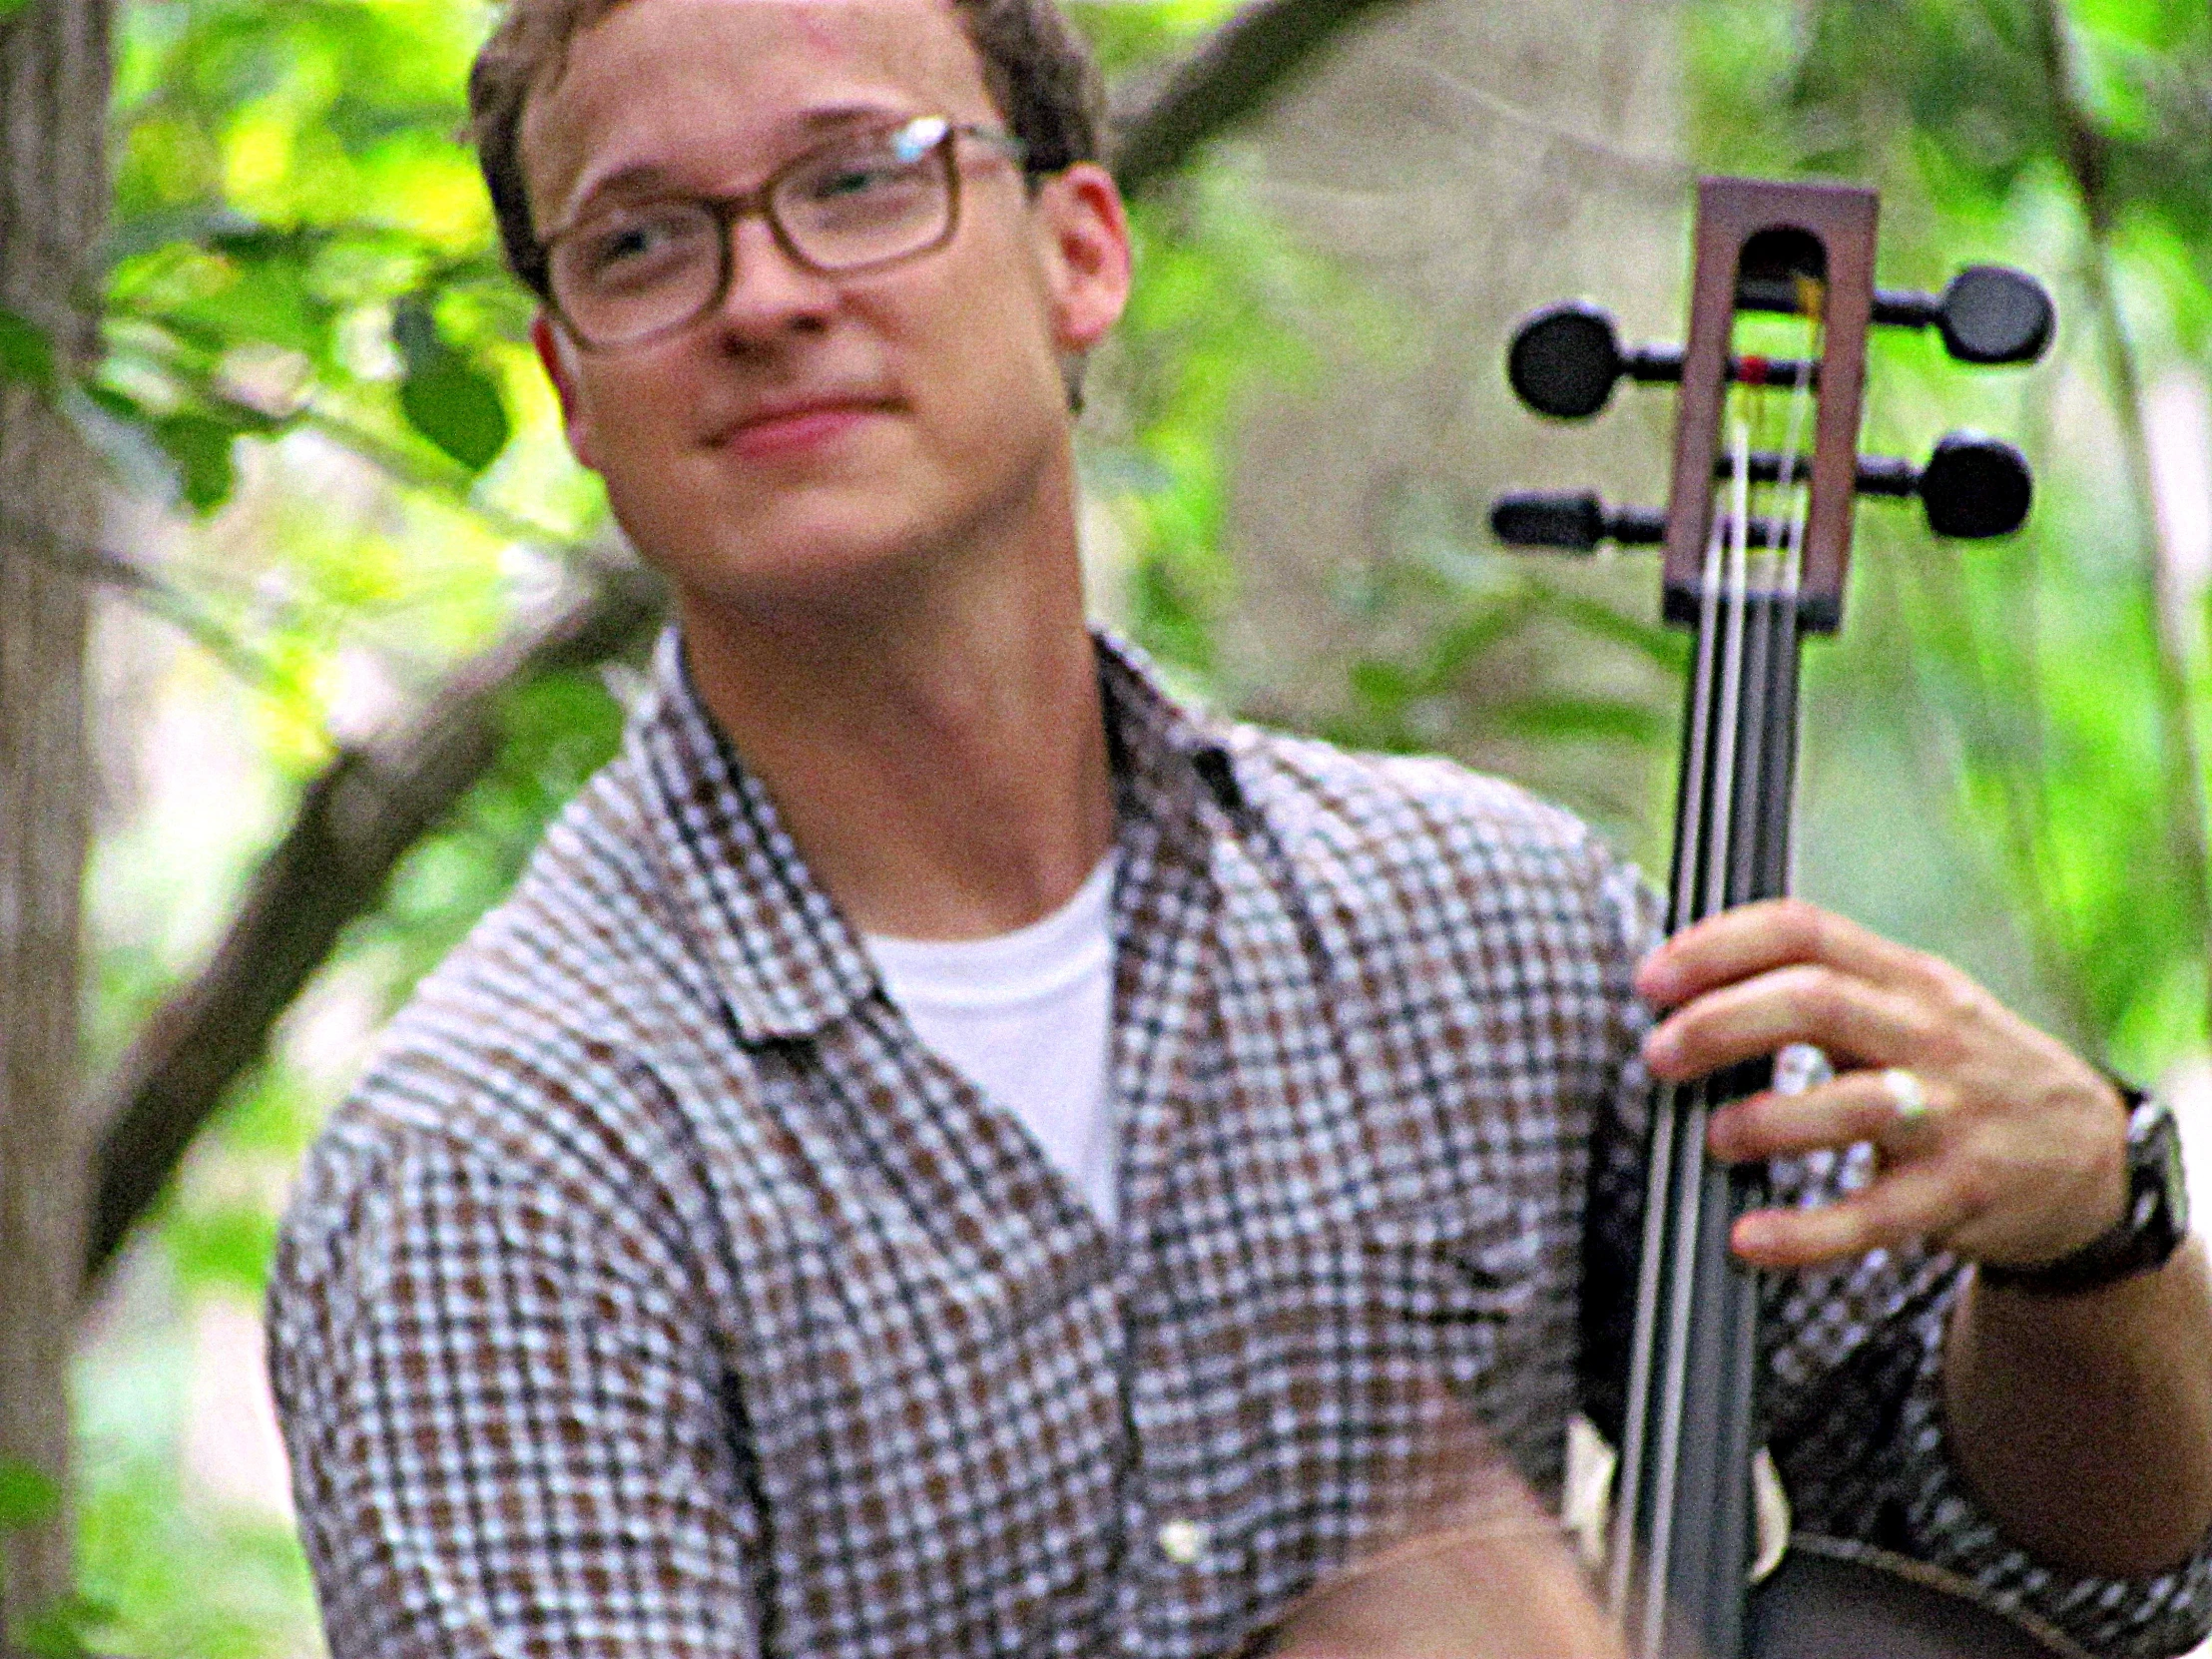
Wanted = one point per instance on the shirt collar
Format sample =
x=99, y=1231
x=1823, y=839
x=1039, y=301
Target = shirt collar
x=786, y=958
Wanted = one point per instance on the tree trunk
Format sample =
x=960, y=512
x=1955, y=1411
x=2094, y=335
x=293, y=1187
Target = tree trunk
x=53, y=198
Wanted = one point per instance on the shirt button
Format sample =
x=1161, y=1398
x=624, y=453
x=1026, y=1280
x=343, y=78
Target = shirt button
x=1183, y=1541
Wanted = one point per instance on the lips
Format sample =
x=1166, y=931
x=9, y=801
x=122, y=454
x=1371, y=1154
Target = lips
x=796, y=426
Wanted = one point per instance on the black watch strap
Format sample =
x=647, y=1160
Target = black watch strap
x=2148, y=1232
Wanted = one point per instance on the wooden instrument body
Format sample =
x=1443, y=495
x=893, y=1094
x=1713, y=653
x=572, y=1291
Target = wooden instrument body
x=1833, y=1599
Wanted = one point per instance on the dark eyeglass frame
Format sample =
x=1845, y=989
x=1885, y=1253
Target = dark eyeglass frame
x=727, y=211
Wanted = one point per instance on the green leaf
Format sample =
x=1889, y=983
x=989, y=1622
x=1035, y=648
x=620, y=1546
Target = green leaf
x=201, y=447
x=457, y=407
x=24, y=351
x=229, y=1248
x=28, y=1496
x=116, y=402
x=8, y=8
x=1668, y=648
x=1383, y=686
x=64, y=1630
x=415, y=330
x=1558, y=718
x=1472, y=635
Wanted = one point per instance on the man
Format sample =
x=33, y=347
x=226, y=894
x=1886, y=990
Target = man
x=946, y=1152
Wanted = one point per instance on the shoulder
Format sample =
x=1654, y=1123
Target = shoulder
x=527, y=1069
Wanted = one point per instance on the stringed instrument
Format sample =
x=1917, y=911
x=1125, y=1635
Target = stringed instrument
x=1756, y=541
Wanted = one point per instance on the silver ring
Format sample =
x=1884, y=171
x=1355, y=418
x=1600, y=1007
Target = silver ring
x=1907, y=1093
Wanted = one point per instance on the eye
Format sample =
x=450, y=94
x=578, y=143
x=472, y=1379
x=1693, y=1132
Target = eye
x=640, y=241
x=871, y=171
x=858, y=175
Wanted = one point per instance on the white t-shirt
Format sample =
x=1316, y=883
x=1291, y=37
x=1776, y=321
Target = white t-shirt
x=1024, y=1017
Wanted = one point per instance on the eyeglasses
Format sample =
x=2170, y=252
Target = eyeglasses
x=640, y=269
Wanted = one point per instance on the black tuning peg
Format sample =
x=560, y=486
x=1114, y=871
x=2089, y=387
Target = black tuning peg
x=1566, y=359
x=1573, y=523
x=1973, y=487
x=1581, y=523
x=1565, y=362
x=1987, y=314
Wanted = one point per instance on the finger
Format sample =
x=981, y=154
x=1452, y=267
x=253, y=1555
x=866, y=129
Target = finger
x=1756, y=938
x=1857, y=1106
x=1905, y=1205
x=1844, y=1015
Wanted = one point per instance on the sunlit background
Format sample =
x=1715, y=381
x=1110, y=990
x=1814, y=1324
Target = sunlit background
x=328, y=439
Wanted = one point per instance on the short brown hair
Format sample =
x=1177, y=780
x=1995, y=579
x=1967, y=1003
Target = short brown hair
x=1038, y=70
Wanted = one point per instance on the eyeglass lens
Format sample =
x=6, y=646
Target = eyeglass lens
x=635, y=270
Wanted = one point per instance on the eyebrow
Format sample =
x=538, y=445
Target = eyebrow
x=651, y=178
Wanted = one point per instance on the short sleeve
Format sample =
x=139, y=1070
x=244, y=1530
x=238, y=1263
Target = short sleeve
x=506, y=1427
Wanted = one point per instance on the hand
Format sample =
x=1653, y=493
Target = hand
x=2019, y=1156
x=1459, y=1560
x=1474, y=1594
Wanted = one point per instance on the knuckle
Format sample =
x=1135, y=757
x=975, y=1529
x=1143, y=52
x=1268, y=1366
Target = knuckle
x=1874, y=1111
x=1813, y=995
x=1802, y=927
x=1922, y=1029
x=1955, y=996
x=1931, y=1044
x=1974, y=1189
x=1855, y=1228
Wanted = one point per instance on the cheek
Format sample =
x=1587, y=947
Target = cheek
x=639, y=411
x=988, y=345
x=640, y=431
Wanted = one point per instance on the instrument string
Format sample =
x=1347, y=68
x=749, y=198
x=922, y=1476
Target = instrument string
x=1730, y=720
x=1774, y=626
x=1621, y=1558
x=1659, y=1196
x=1797, y=505
x=1737, y=699
x=1702, y=888
x=1768, y=737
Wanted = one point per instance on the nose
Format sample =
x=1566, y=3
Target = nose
x=769, y=294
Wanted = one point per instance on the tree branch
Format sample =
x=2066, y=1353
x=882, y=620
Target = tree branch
x=148, y=589
x=356, y=821
x=1244, y=66
x=370, y=806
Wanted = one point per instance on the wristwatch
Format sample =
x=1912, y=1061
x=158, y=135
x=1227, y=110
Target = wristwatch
x=2148, y=1232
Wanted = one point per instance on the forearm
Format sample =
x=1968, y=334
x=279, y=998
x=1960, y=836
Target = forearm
x=2084, y=1423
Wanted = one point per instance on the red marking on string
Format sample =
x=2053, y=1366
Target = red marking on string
x=1752, y=372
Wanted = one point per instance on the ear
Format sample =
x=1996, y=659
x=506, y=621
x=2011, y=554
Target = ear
x=558, y=353
x=1079, y=213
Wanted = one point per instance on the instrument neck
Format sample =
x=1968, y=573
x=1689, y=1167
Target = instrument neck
x=1685, y=1525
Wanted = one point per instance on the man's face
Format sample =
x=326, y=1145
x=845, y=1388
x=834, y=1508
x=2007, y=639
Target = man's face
x=813, y=429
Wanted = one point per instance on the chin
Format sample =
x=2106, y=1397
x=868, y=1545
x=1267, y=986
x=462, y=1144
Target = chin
x=826, y=563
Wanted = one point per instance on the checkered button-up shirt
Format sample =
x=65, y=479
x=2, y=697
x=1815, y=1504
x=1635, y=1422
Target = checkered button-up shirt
x=659, y=1293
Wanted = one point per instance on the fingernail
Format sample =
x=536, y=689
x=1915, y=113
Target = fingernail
x=1660, y=1049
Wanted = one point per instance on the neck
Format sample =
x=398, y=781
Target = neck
x=934, y=743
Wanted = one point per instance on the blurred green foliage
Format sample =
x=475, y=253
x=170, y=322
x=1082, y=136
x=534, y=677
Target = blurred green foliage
x=1206, y=324
x=312, y=357
x=2072, y=141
